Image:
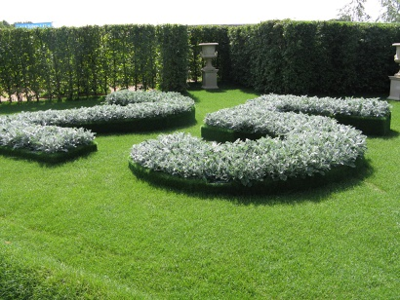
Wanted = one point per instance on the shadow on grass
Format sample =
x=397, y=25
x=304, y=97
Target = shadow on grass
x=314, y=189
x=392, y=135
x=48, y=164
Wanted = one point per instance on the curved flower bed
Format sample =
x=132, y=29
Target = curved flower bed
x=125, y=97
x=372, y=116
x=269, y=142
x=302, y=146
x=39, y=132
x=327, y=106
x=157, y=107
x=44, y=143
x=48, y=139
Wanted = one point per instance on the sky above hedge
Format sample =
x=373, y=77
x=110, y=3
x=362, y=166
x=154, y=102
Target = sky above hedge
x=91, y=12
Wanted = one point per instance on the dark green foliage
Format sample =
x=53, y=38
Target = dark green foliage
x=6, y=63
x=129, y=56
x=267, y=61
x=144, y=59
x=75, y=62
x=241, y=39
x=173, y=57
x=329, y=58
x=368, y=125
x=337, y=57
x=314, y=57
x=300, y=58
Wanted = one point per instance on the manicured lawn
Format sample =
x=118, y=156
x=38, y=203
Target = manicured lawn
x=89, y=229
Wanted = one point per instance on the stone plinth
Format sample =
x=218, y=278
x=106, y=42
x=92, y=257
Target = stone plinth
x=210, y=79
x=394, y=88
x=208, y=53
x=395, y=80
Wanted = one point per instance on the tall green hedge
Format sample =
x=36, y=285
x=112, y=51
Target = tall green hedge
x=173, y=57
x=241, y=44
x=274, y=56
x=74, y=62
x=314, y=57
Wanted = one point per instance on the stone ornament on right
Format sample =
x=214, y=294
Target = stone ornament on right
x=395, y=80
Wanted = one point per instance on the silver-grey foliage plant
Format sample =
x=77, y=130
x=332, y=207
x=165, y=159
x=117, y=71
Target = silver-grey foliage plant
x=19, y=134
x=137, y=105
x=256, y=115
x=39, y=131
x=304, y=145
x=125, y=97
x=300, y=139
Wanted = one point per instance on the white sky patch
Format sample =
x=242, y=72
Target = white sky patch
x=81, y=12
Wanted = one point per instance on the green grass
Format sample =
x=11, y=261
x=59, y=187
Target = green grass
x=89, y=229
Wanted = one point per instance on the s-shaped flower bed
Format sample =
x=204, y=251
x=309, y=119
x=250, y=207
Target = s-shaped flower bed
x=42, y=135
x=252, y=119
x=290, y=150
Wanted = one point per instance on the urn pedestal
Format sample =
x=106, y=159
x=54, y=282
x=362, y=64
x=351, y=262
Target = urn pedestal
x=395, y=80
x=208, y=53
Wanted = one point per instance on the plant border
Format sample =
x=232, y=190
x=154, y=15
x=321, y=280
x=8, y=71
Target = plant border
x=147, y=123
x=349, y=113
x=269, y=186
x=357, y=112
x=143, y=124
x=50, y=158
x=377, y=126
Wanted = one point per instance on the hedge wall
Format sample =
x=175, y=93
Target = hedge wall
x=275, y=56
x=74, y=62
x=314, y=57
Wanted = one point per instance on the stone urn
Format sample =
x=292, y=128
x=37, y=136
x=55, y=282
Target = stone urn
x=395, y=80
x=208, y=53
